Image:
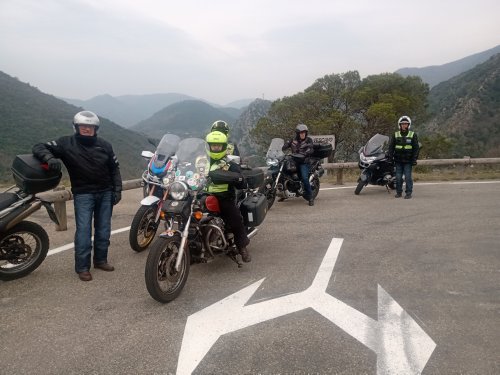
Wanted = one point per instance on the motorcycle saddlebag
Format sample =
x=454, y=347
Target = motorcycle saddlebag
x=31, y=177
x=254, y=209
x=322, y=150
x=254, y=177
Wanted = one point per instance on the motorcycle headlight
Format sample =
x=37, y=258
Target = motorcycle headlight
x=271, y=162
x=178, y=191
x=367, y=159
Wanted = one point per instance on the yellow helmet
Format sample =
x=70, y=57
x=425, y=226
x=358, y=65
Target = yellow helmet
x=216, y=138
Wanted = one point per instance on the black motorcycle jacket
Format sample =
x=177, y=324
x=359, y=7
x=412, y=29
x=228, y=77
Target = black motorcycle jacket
x=302, y=147
x=404, y=147
x=91, y=162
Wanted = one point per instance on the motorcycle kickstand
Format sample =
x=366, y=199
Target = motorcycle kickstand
x=388, y=190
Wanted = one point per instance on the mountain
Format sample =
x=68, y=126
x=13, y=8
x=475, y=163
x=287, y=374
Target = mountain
x=440, y=73
x=242, y=127
x=241, y=104
x=29, y=116
x=189, y=118
x=128, y=110
x=466, y=110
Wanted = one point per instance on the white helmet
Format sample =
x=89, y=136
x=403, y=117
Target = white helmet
x=86, y=118
x=404, y=120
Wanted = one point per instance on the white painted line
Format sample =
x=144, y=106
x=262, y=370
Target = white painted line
x=402, y=347
x=72, y=244
x=419, y=184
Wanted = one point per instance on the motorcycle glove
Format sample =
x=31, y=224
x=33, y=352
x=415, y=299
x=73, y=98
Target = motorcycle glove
x=54, y=165
x=117, y=197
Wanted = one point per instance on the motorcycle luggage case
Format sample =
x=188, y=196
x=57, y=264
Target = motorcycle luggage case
x=254, y=177
x=31, y=177
x=322, y=150
x=254, y=209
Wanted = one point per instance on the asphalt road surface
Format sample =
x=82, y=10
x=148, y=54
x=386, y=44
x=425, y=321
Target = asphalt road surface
x=354, y=285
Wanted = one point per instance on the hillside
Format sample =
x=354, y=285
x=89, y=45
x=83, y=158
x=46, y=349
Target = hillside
x=466, y=109
x=190, y=118
x=128, y=110
x=440, y=73
x=28, y=116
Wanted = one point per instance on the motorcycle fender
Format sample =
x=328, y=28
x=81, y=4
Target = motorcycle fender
x=365, y=176
x=149, y=200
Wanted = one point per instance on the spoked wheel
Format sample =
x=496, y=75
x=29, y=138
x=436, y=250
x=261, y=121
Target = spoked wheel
x=163, y=282
x=22, y=249
x=143, y=228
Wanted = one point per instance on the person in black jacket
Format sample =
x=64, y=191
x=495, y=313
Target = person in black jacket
x=302, y=145
x=96, y=185
x=403, y=149
x=225, y=177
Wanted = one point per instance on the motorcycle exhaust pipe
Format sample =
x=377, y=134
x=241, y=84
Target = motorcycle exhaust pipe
x=253, y=232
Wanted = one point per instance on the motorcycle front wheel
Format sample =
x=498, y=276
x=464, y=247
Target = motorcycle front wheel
x=143, y=228
x=270, y=195
x=315, y=187
x=361, y=185
x=22, y=249
x=163, y=282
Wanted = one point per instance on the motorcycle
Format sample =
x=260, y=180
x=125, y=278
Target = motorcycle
x=283, y=179
x=376, y=167
x=156, y=179
x=199, y=234
x=24, y=244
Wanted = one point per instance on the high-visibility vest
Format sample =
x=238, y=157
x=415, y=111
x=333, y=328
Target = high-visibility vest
x=217, y=188
x=403, y=142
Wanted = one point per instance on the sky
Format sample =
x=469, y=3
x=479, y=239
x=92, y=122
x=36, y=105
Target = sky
x=227, y=50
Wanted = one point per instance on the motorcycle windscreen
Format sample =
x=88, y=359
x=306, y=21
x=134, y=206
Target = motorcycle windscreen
x=275, y=149
x=376, y=145
x=165, y=150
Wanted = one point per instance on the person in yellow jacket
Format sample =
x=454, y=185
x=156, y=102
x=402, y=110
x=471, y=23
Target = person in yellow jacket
x=403, y=149
x=225, y=177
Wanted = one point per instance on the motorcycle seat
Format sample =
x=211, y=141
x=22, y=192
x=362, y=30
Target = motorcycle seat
x=6, y=199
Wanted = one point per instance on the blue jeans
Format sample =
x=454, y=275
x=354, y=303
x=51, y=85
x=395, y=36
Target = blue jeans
x=304, y=175
x=97, y=206
x=404, y=168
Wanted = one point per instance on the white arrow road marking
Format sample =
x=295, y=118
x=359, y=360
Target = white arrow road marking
x=402, y=347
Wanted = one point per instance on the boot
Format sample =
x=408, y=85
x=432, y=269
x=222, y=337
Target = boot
x=245, y=256
x=408, y=196
x=398, y=195
x=311, y=202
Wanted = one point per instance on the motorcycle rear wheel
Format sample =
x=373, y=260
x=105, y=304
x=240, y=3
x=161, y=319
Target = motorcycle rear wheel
x=315, y=187
x=143, y=228
x=163, y=282
x=30, y=243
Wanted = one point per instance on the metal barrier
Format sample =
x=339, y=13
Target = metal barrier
x=60, y=195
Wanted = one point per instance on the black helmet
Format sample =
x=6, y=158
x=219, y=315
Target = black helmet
x=220, y=126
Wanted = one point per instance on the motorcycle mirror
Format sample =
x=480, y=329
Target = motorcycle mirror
x=147, y=154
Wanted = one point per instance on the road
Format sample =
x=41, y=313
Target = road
x=436, y=257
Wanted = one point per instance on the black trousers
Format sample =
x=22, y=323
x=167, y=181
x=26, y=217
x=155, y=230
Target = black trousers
x=234, y=221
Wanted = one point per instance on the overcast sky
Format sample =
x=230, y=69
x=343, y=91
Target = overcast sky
x=226, y=50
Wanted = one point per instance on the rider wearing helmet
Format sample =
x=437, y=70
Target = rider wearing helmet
x=223, y=127
x=96, y=185
x=225, y=177
x=302, y=145
x=403, y=149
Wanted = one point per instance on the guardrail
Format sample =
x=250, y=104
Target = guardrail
x=60, y=195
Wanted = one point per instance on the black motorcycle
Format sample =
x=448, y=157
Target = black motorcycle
x=24, y=244
x=198, y=233
x=283, y=179
x=376, y=167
